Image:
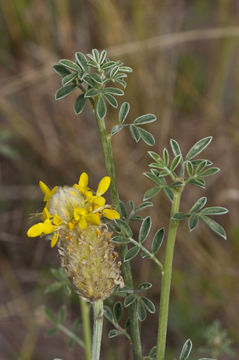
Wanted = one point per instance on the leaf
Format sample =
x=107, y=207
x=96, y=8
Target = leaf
x=114, y=71
x=198, y=147
x=154, y=155
x=145, y=229
x=151, y=176
x=141, y=312
x=53, y=287
x=116, y=129
x=186, y=350
x=146, y=136
x=148, y=304
x=150, y=193
x=209, y=172
x=199, y=204
x=113, y=91
x=201, y=166
x=103, y=56
x=101, y=107
x=61, y=70
x=52, y=331
x=91, y=93
x=153, y=351
x=189, y=168
x=108, y=313
x=107, y=65
x=169, y=193
x=145, y=286
x=113, y=333
x=68, y=79
x=124, y=227
x=120, y=240
x=145, y=119
x=197, y=182
x=50, y=314
x=62, y=314
x=70, y=64
x=123, y=211
x=175, y=147
x=124, y=110
x=70, y=345
x=179, y=216
x=176, y=161
x=96, y=78
x=130, y=299
x=80, y=104
x=117, y=311
x=134, y=132
x=131, y=253
x=193, y=221
x=214, y=226
x=64, y=91
x=165, y=157
x=96, y=55
x=111, y=100
x=126, y=68
x=157, y=240
x=82, y=61
x=144, y=205
x=214, y=210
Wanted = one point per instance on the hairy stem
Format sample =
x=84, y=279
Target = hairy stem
x=85, y=313
x=166, y=278
x=97, y=331
x=109, y=162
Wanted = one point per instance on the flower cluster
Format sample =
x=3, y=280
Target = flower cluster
x=69, y=208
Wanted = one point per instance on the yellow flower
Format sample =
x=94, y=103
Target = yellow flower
x=72, y=208
x=46, y=191
x=41, y=228
x=82, y=217
x=82, y=185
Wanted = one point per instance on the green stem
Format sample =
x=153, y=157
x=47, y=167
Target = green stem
x=109, y=162
x=97, y=331
x=71, y=335
x=85, y=313
x=166, y=278
x=149, y=254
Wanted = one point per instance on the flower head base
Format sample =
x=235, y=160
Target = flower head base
x=72, y=218
x=89, y=260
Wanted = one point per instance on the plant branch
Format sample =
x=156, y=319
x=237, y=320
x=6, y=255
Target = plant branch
x=166, y=277
x=85, y=313
x=109, y=162
x=97, y=331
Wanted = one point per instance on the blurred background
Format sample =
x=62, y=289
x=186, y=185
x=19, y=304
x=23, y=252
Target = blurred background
x=185, y=58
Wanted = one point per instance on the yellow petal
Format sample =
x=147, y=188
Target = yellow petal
x=94, y=219
x=48, y=227
x=35, y=230
x=71, y=225
x=103, y=185
x=54, y=239
x=57, y=220
x=111, y=214
x=46, y=214
x=98, y=201
x=45, y=189
x=82, y=223
x=83, y=182
x=78, y=212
